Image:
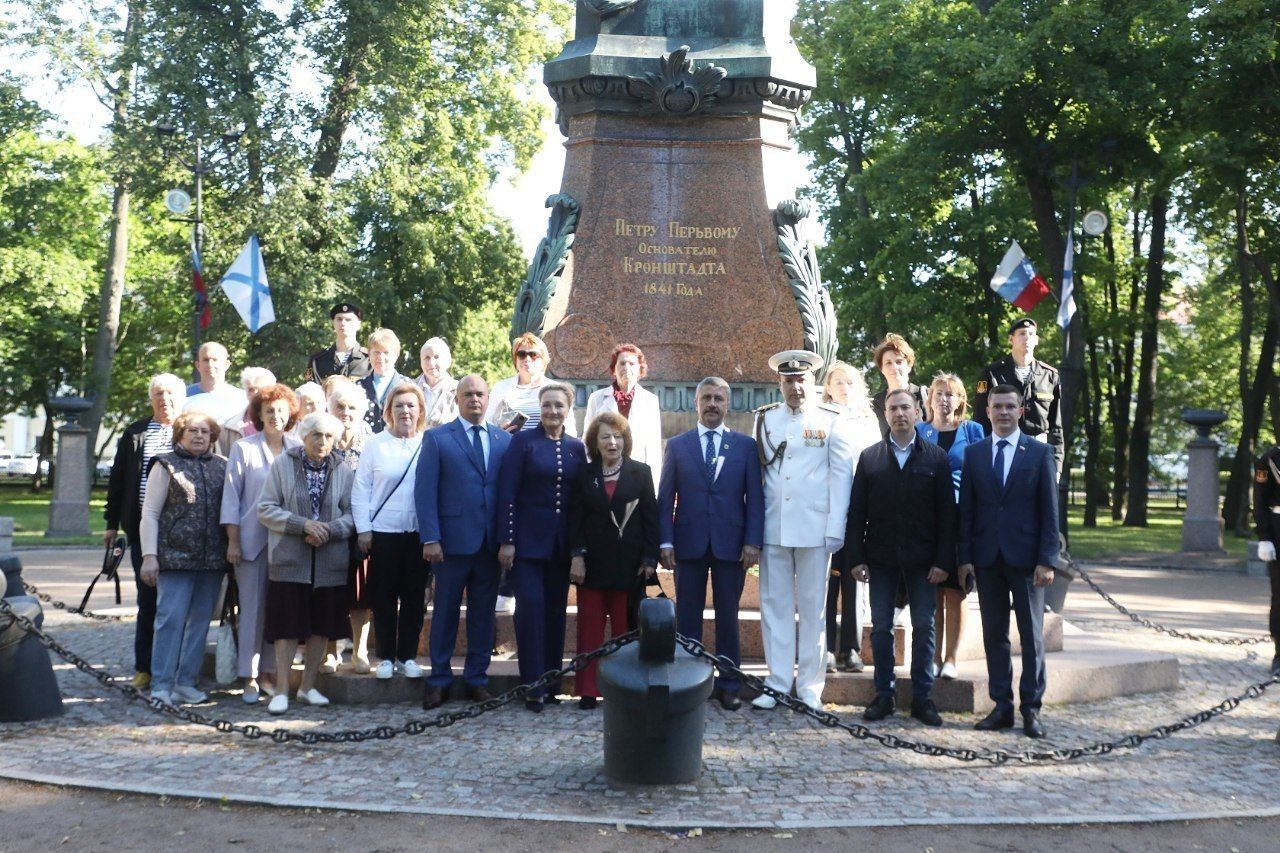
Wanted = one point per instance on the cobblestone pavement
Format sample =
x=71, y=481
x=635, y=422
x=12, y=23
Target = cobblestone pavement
x=760, y=769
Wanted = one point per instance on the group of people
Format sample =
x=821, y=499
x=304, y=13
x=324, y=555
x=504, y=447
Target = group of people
x=340, y=503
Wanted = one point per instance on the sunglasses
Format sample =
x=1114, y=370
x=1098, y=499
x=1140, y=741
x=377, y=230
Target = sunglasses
x=528, y=353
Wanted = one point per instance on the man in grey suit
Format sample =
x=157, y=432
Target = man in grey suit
x=1009, y=532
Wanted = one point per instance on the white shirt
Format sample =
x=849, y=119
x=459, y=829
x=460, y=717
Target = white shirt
x=469, y=428
x=902, y=453
x=1013, y=439
x=222, y=403
x=384, y=458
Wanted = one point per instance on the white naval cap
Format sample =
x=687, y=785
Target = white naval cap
x=794, y=361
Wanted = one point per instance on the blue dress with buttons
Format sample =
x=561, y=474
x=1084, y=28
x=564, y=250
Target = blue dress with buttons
x=535, y=490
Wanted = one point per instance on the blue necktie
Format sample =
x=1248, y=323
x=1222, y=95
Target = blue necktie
x=711, y=456
x=476, y=446
x=1001, y=446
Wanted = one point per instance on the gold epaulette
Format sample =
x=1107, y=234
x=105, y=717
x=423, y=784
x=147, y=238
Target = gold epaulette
x=831, y=407
x=766, y=407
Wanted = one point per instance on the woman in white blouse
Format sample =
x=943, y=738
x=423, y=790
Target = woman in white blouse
x=518, y=395
x=638, y=405
x=274, y=413
x=382, y=502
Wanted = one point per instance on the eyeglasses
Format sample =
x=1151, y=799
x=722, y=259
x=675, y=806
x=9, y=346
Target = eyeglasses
x=528, y=353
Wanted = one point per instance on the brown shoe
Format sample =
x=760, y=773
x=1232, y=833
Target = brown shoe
x=478, y=693
x=432, y=697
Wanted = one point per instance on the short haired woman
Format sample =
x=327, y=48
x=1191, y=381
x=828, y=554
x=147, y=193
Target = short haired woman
x=895, y=358
x=184, y=554
x=274, y=413
x=536, y=494
x=613, y=537
x=384, y=353
x=386, y=516
x=640, y=406
x=518, y=395
x=306, y=508
x=951, y=429
x=439, y=389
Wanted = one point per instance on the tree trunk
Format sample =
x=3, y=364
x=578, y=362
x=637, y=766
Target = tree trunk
x=1140, y=441
x=112, y=289
x=1235, y=508
x=1095, y=487
x=340, y=106
x=1236, y=500
x=1122, y=370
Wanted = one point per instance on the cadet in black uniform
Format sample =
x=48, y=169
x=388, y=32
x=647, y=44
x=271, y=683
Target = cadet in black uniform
x=1041, y=388
x=346, y=356
x=1266, y=514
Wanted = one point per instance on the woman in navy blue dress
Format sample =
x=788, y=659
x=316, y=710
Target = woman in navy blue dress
x=950, y=428
x=535, y=493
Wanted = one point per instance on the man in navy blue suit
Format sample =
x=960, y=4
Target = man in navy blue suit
x=457, y=501
x=711, y=518
x=1009, y=531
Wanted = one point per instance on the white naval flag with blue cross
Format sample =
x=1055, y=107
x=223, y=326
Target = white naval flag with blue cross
x=246, y=286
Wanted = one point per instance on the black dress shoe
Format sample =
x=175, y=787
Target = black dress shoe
x=882, y=706
x=1031, y=725
x=730, y=701
x=551, y=699
x=995, y=720
x=478, y=693
x=587, y=703
x=432, y=697
x=534, y=705
x=926, y=712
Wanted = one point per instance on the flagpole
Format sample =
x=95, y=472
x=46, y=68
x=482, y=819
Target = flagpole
x=1071, y=368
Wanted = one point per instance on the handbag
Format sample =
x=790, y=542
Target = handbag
x=226, y=655
x=110, y=569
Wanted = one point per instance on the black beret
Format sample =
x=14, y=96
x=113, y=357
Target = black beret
x=346, y=308
x=1022, y=323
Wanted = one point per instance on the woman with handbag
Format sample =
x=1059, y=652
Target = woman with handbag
x=306, y=508
x=613, y=537
x=387, y=530
x=274, y=413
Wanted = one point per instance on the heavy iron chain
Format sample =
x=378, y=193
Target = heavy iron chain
x=997, y=757
x=69, y=608
x=1155, y=626
x=254, y=732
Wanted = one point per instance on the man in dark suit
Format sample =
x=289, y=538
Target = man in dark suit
x=141, y=442
x=456, y=492
x=711, y=518
x=1266, y=515
x=1009, y=532
x=902, y=528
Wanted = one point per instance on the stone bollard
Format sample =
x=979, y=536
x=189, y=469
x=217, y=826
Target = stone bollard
x=655, y=699
x=28, y=688
x=1203, y=525
x=12, y=568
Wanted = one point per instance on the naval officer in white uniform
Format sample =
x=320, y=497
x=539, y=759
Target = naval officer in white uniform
x=807, y=460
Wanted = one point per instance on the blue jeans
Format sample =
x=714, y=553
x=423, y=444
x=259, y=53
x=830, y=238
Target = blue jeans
x=184, y=608
x=923, y=598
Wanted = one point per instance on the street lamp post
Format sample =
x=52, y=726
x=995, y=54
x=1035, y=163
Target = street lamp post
x=199, y=166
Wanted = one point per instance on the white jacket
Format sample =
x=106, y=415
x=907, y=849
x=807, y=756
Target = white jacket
x=384, y=458
x=645, y=422
x=807, y=487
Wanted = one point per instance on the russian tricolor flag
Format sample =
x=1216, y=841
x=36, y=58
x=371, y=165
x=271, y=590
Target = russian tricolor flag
x=197, y=285
x=1017, y=281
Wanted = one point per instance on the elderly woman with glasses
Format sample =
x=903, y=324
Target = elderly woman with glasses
x=306, y=508
x=439, y=389
x=184, y=554
x=513, y=402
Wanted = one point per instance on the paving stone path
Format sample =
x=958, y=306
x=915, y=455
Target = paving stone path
x=760, y=769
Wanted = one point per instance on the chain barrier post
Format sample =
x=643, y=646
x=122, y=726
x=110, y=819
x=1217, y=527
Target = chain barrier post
x=655, y=704
x=12, y=568
x=28, y=687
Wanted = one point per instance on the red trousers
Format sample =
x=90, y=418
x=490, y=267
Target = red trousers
x=593, y=606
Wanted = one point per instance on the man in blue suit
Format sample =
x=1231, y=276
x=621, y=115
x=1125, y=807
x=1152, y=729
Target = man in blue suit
x=457, y=501
x=1009, y=531
x=711, y=518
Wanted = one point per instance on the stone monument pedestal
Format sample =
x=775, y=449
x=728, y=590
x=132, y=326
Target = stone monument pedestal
x=69, y=511
x=1203, y=525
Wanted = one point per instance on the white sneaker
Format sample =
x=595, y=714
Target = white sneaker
x=251, y=693
x=189, y=695
x=764, y=702
x=385, y=670
x=814, y=704
x=163, y=695
x=412, y=669
x=948, y=671
x=279, y=704
x=312, y=697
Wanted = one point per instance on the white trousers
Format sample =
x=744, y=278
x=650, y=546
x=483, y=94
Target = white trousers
x=793, y=581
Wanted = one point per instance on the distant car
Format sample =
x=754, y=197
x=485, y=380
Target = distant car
x=6, y=457
x=102, y=471
x=25, y=464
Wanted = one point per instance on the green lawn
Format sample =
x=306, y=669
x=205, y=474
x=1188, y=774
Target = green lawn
x=30, y=511
x=1163, y=535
